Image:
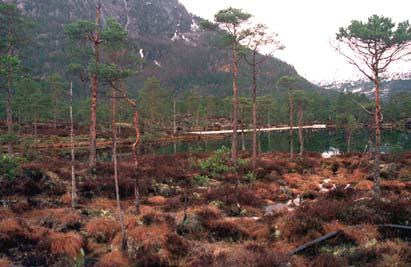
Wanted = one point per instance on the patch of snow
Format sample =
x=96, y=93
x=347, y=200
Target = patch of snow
x=141, y=53
x=188, y=41
x=194, y=26
x=332, y=152
x=357, y=90
x=148, y=3
x=175, y=37
x=157, y=63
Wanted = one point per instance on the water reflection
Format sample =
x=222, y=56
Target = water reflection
x=314, y=140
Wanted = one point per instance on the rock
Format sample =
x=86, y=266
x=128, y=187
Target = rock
x=364, y=185
x=191, y=225
x=275, y=209
x=389, y=171
x=165, y=189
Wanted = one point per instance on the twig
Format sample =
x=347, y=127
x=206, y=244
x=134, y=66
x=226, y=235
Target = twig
x=314, y=242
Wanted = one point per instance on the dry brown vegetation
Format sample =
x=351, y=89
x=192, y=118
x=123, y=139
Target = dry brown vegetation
x=223, y=222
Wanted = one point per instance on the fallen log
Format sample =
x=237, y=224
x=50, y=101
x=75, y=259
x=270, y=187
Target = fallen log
x=314, y=242
x=396, y=226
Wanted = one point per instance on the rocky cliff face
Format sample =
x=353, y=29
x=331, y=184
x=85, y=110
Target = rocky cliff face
x=164, y=33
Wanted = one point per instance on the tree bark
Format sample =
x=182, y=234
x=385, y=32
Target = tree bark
x=114, y=136
x=242, y=137
x=300, y=127
x=291, y=126
x=377, y=152
x=73, y=174
x=234, y=142
x=94, y=89
x=9, y=109
x=174, y=117
x=349, y=141
x=36, y=119
x=254, y=153
x=134, y=146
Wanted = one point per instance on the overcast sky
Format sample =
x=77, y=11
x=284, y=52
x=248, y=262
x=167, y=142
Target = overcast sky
x=306, y=28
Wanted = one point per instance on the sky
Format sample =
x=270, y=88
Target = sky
x=308, y=27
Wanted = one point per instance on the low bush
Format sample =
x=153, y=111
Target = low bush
x=9, y=167
x=226, y=230
x=250, y=177
x=200, y=180
x=66, y=244
x=113, y=259
x=216, y=164
x=102, y=229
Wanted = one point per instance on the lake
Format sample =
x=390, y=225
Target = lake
x=314, y=141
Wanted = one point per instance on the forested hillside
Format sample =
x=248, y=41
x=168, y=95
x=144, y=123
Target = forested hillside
x=173, y=47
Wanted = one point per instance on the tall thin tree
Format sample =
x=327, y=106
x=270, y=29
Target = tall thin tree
x=259, y=39
x=371, y=47
x=11, y=27
x=233, y=22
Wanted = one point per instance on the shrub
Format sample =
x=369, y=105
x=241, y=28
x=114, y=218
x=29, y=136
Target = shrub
x=113, y=259
x=177, y=245
x=216, y=164
x=200, y=180
x=9, y=167
x=102, y=229
x=226, y=230
x=250, y=177
x=146, y=241
x=69, y=244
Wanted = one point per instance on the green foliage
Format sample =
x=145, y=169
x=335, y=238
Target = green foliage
x=378, y=29
x=216, y=164
x=80, y=29
x=250, y=177
x=201, y=180
x=113, y=34
x=155, y=103
x=9, y=167
x=35, y=107
x=232, y=16
x=231, y=21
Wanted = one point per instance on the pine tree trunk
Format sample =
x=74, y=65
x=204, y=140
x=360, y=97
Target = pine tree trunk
x=73, y=174
x=300, y=128
x=174, y=117
x=234, y=142
x=291, y=126
x=134, y=147
x=9, y=112
x=242, y=137
x=55, y=115
x=94, y=89
x=114, y=136
x=36, y=119
x=377, y=152
x=254, y=153
x=349, y=141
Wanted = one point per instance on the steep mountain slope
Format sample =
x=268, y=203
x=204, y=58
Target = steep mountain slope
x=174, y=48
x=393, y=84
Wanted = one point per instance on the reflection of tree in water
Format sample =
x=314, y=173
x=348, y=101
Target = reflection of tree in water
x=316, y=141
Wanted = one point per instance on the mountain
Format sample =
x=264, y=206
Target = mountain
x=168, y=37
x=392, y=84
